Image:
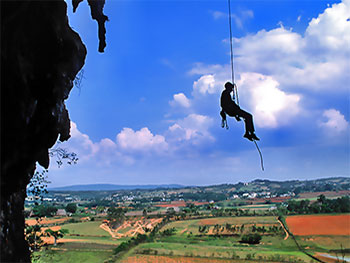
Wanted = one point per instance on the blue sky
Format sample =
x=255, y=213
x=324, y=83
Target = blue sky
x=148, y=108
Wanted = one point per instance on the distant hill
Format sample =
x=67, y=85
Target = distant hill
x=280, y=187
x=258, y=185
x=112, y=187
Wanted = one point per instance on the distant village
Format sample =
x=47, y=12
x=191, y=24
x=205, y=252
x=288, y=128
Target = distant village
x=161, y=200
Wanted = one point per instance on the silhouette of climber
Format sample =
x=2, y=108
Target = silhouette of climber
x=230, y=108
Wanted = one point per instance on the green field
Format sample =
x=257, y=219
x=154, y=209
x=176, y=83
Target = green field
x=86, y=242
x=188, y=242
x=192, y=226
x=89, y=243
x=72, y=256
x=86, y=229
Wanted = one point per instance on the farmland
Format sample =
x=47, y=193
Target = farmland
x=321, y=225
x=226, y=223
x=189, y=243
x=210, y=239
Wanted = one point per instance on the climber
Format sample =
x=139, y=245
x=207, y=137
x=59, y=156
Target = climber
x=232, y=109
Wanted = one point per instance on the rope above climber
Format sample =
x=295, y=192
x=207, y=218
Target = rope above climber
x=230, y=108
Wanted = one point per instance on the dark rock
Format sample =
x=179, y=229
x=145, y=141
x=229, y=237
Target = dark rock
x=40, y=58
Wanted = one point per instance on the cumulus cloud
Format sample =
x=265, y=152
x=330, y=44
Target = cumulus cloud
x=193, y=129
x=270, y=105
x=128, y=145
x=207, y=84
x=142, y=140
x=335, y=121
x=181, y=100
x=132, y=145
x=80, y=143
x=316, y=61
x=274, y=68
x=261, y=94
x=331, y=29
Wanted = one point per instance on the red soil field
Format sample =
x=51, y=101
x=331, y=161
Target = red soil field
x=308, y=225
x=46, y=221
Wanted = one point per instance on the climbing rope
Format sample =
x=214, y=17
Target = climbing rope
x=231, y=48
x=235, y=90
x=261, y=157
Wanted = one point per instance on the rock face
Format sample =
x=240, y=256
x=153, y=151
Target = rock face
x=40, y=57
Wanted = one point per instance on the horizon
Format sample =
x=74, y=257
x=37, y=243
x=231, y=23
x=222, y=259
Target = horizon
x=147, y=111
x=206, y=185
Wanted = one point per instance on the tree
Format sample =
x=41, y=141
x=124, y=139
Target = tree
x=251, y=238
x=144, y=212
x=322, y=199
x=170, y=211
x=71, y=208
x=38, y=185
x=34, y=237
x=56, y=234
x=44, y=210
x=115, y=216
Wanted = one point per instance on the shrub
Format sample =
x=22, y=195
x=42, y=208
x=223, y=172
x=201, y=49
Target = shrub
x=251, y=239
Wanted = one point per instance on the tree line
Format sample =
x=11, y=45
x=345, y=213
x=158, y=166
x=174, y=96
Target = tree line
x=322, y=205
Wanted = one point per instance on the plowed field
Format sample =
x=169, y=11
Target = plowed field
x=309, y=225
x=46, y=221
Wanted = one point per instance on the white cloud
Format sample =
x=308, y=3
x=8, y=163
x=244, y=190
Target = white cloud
x=335, y=121
x=271, y=106
x=316, y=61
x=142, y=144
x=331, y=29
x=193, y=129
x=180, y=99
x=103, y=151
x=141, y=141
x=207, y=84
x=261, y=94
x=80, y=143
x=129, y=144
x=274, y=68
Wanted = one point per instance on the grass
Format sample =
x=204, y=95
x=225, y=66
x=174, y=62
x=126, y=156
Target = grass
x=324, y=243
x=192, y=226
x=98, y=240
x=53, y=256
x=205, y=250
x=86, y=229
x=96, y=245
x=272, y=248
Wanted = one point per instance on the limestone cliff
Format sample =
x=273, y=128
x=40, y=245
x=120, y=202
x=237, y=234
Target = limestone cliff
x=40, y=57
